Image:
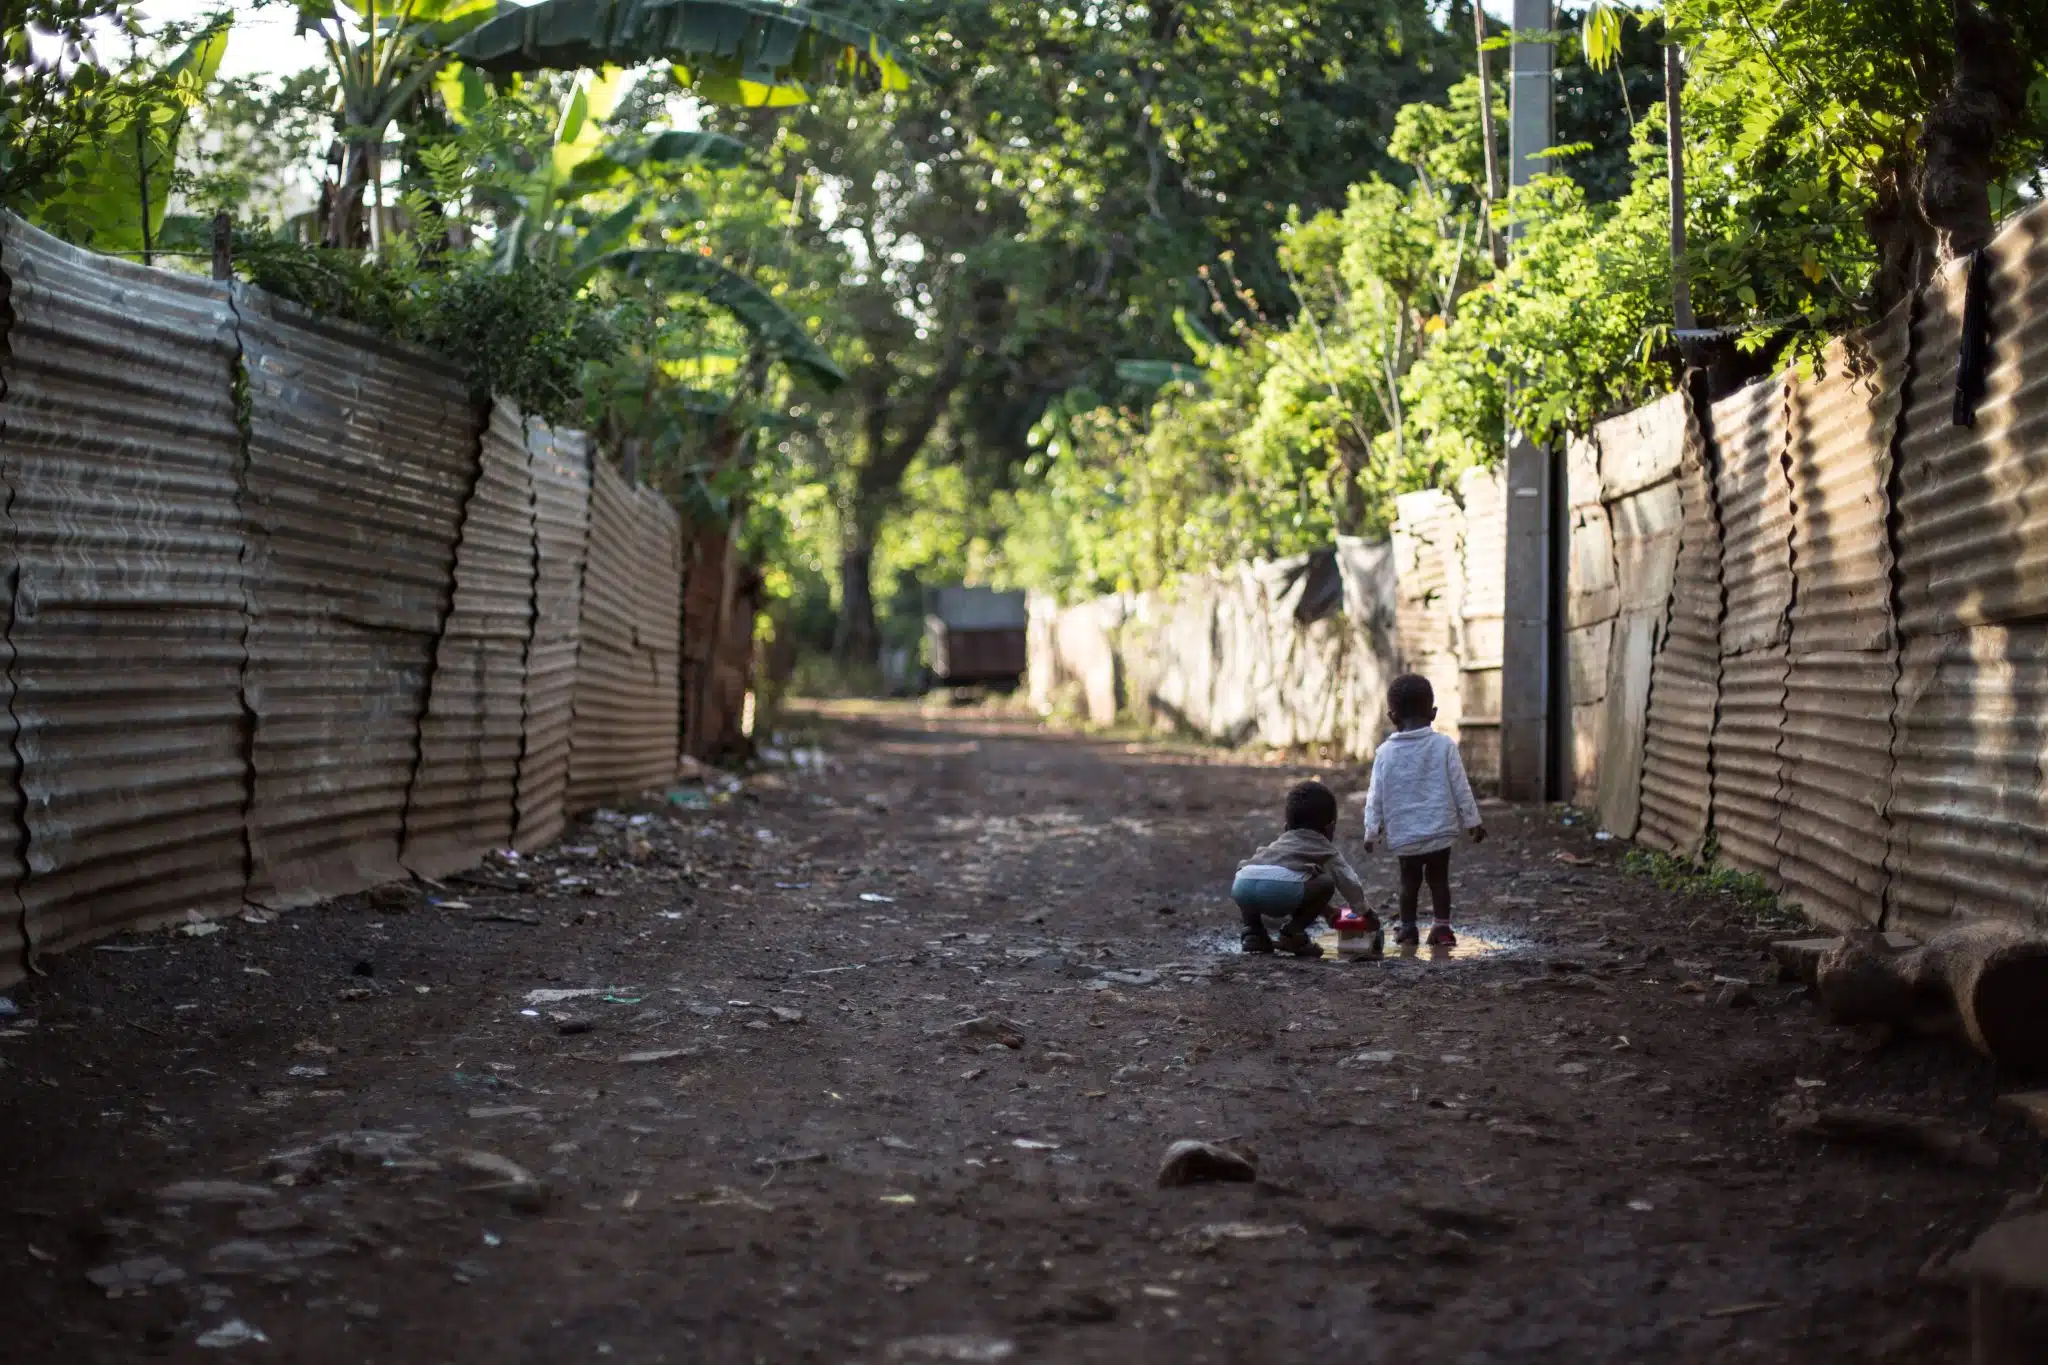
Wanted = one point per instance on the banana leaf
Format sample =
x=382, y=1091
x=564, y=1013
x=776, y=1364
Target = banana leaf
x=754, y=52
x=114, y=192
x=765, y=319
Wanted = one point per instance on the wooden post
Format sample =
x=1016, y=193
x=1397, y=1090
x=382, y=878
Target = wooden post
x=223, y=246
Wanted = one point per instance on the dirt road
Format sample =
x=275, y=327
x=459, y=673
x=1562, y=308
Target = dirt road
x=747, y=1124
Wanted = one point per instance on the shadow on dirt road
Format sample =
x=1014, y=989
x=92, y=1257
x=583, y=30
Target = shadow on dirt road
x=699, y=1090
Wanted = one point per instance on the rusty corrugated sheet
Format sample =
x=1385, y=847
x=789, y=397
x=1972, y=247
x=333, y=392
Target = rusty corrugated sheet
x=463, y=789
x=1972, y=518
x=13, y=836
x=624, y=733
x=1754, y=499
x=659, y=608
x=1747, y=771
x=1644, y=526
x=119, y=459
x=1969, y=813
x=1481, y=620
x=1836, y=772
x=361, y=453
x=1641, y=448
x=1677, y=804
x=1842, y=425
x=560, y=470
x=1429, y=577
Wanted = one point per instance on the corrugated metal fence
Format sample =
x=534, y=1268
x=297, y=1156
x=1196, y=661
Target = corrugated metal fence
x=1847, y=681
x=283, y=615
x=1299, y=651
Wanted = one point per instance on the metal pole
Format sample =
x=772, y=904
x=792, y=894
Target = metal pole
x=1531, y=644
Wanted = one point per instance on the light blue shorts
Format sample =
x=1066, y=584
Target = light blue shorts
x=1267, y=897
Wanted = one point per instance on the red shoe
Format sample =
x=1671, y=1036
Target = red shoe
x=1406, y=936
x=1440, y=936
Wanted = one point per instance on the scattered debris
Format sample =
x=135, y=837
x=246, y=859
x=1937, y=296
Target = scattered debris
x=1209, y=1236
x=556, y=997
x=665, y=1054
x=1743, y=1310
x=503, y=916
x=1193, y=1162
x=202, y=929
x=772, y=1163
x=949, y=1347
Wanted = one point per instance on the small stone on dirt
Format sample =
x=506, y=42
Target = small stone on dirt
x=1192, y=1162
x=233, y=1332
x=214, y=1192
x=135, y=1275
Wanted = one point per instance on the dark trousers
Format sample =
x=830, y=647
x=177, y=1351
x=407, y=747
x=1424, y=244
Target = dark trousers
x=1436, y=869
x=1316, y=894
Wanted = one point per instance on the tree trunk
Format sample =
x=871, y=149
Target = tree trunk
x=1959, y=141
x=344, y=226
x=858, y=641
x=1681, y=279
x=1987, y=980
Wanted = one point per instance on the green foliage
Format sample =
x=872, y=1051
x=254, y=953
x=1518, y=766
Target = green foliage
x=253, y=139
x=54, y=103
x=1709, y=879
x=112, y=191
x=526, y=336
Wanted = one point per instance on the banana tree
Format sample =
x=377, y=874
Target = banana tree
x=583, y=164
x=383, y=53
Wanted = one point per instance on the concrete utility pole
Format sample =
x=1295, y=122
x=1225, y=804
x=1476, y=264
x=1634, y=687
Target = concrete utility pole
x=1532, y=703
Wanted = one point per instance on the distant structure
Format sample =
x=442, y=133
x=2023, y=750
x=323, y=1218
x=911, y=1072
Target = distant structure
x=975, y=635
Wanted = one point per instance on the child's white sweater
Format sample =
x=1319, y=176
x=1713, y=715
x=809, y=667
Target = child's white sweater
x=1419, y=798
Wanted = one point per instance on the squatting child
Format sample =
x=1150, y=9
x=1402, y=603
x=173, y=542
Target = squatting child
x=1295, y=878
x=1418, y=801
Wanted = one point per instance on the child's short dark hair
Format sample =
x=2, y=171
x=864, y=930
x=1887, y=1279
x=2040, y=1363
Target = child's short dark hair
x=1411, y=697
x=1311, y=805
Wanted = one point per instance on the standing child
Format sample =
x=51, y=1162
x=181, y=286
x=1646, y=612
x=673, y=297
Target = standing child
x=1419, y=799
x=1295, y=878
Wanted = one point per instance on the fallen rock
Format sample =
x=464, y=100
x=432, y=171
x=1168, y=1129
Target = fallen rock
x=1883, y=1128
x=1004, y=1031
x=1735, y=995
x=2031, y=1105
x=1192, y=1162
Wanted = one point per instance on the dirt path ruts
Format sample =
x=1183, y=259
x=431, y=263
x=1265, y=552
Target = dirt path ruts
x=1561, y=1153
